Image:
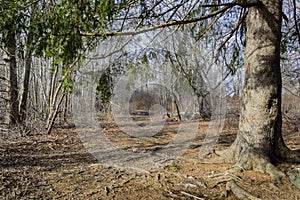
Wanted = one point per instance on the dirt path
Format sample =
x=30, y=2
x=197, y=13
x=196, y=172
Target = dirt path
x=57, y=166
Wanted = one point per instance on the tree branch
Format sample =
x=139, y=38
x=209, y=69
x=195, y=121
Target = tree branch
x=234, y=30
x=242, y=3
x=247, y=3
x=110, y=53
x=158, y=26
x=292, y=93
x=209, y=27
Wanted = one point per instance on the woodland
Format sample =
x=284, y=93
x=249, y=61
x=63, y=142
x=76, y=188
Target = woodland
x=159, y=99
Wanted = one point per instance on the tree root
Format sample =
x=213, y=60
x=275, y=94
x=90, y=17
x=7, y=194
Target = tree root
x=246, y=160
x=290, y=156
x=285, y=154
x=230, y=179
x=256, y=162
x=239, y=192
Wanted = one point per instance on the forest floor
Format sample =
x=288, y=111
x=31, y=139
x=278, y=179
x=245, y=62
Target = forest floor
x=58, y=166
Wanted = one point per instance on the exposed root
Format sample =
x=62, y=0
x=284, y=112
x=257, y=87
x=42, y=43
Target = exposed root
x=256, y=162
x=239, y=192
x=291, y=156
x=247, y=160
x=230, y=179
x=244, y=160
x=285, y=154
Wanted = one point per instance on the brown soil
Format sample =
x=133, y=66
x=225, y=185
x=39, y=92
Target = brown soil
x=57, y=166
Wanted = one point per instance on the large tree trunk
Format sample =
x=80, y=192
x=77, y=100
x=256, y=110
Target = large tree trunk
x=256, y=146
x=12, y=104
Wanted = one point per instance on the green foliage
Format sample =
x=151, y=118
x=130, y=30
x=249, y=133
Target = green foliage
x=174, y=166
x=55, y=29
x=8, y=24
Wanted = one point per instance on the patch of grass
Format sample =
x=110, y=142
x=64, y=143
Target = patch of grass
x=174, y=166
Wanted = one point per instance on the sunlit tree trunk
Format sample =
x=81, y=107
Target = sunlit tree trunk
x=256, y=145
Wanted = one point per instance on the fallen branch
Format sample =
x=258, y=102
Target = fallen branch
x=190, y=195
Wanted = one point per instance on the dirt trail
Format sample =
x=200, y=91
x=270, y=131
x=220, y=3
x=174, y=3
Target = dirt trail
x=57, y=166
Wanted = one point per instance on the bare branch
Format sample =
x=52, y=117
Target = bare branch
x=112, y=52
x=247, y=3
x=158, y=26
x=292, y=93
x=217, y=5
x=234, y=30
x=209, y=26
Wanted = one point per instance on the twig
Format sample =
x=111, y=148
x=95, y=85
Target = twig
x=209, y=26
x=190, y=195
x=107, y=191
x=241, y=20
x=292, y=93
x=172, y=194
x=224, y=179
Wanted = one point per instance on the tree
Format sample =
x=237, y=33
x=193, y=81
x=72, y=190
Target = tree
x=259, y=139
x=48, y=30
x=69, y=29
x=259, y=143
x=18, y=37
x=9, y=41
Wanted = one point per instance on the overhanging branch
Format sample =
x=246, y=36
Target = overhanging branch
x=159, y=26
x=241, y=20
x=226, y=6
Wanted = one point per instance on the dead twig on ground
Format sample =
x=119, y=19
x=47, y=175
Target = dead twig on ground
x=190, y=195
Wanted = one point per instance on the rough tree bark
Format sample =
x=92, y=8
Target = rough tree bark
x=259, y=142
x=12, y=104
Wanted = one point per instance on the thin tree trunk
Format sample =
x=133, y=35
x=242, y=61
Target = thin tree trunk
x=201, y=106
x=52, y=97
x=53, y=115
x=25, y=88
x=175, y=101
x=65, y=113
